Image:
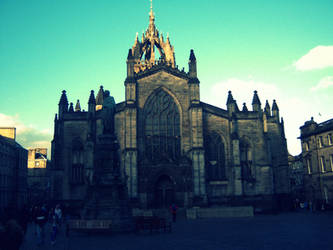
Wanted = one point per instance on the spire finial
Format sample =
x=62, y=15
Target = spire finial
x=151, y=13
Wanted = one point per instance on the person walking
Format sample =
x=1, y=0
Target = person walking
x=54, y=227
x=58, y=215
x=41, y=219
x=173, y=210
x=13, y=235
x=34, y=211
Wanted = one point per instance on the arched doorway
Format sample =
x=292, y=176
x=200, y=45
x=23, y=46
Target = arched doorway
x=164, y=192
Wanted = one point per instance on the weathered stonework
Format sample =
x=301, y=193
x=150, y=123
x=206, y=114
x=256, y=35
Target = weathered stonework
x=317, y=155
x=173, y=147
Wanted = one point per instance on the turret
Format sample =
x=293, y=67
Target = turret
x=275, y=111
x=256, y=104
x=282, y=128
x=193, y=81
x=71, y=108
x=192, y=65
x=63, y=104
x=130, y=64
x=99, y=98
x=267, y=109
x=55, y=126
x=78, y=106
x=92, y=102
x=231, y=103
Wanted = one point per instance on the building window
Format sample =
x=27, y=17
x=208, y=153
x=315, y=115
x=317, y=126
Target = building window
x=306, y=146
x=37, y=164
x=320, y=141
x=215, y=157
x=162, y=128
x=329, y=139
x=331, y=162
x=322, y=164
x=309, y=166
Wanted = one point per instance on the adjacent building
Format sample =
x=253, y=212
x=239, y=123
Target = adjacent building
x=38, y=176
x=13, y=170
x=296, y=177
x=173, y=146
x=317, y=154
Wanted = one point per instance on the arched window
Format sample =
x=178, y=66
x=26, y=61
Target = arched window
x=162, y=128
x=77, y=162
x=248, y=172
x=215, y=157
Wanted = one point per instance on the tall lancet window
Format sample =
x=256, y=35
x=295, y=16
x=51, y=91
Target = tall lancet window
x=162, y=128
x=77, y=162
x=215, y=157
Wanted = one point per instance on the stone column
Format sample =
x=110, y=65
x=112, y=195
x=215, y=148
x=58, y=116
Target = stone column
x=237, y=168
x=197, y=151
x=130, y=164
x=130, y=150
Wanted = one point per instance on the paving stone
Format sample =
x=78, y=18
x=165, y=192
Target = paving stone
x=299, y=231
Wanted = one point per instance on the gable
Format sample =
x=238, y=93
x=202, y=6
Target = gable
x=174, y=85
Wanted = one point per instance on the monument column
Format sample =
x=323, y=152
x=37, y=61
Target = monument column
x=197, y=149
x=130, y=130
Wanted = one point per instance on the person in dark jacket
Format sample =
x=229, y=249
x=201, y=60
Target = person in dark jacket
x=173, y=210
x=41, y=219
x=13, y=235
x=2, y=235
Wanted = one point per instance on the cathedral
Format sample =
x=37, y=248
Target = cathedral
x=173, y=148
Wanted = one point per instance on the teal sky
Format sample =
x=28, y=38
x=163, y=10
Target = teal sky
x=50, y=45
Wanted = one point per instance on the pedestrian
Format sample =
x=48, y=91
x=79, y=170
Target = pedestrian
x=173, y=210
x=2, y=236
x=54, y=227
x=34, y=211
x=13, y=235
x=58, y=215
x=41, y=219
x=310, y=206
x=24, y=218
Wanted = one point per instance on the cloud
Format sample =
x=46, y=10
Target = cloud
x=27, y=136
x=294, y=110
x=319, y=57
x=323, y=83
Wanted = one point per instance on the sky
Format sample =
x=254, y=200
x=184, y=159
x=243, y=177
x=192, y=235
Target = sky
x=283, y=49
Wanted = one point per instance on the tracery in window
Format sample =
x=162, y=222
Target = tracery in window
x=215, y=157
x=77, y=162
x=162, y=128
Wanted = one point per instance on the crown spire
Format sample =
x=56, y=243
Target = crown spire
x=152, y=46
x=151, y=7
x=151, y=14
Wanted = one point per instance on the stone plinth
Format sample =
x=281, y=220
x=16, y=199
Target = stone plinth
x=107, y=197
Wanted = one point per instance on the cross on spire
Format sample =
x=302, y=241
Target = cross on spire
x=151, y=13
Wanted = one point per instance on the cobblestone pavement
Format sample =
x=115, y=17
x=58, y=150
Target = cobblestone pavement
x=285, y=231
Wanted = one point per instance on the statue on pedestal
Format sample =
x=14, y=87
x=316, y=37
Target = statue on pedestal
x=107, y=195
x=109, y=109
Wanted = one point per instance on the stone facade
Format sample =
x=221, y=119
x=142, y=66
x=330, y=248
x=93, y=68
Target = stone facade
x=173, y=147
x=38, y=176
x=317, y=153
x=13, y=170
x=296, y=177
